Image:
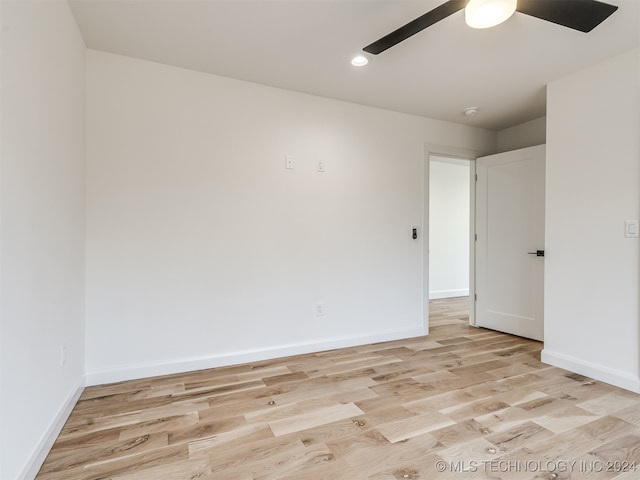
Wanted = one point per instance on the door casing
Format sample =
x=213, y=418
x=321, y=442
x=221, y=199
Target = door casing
x=453, y=152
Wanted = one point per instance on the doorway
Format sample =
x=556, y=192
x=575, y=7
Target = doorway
x=450, y=217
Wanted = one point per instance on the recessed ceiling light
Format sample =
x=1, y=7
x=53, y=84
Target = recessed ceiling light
x=359, y=61
x=470, y=111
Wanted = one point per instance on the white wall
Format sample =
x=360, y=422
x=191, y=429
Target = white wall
x=524, y=135
x=448, y=227
x=203, y=250
x=41, y=228
x=593, y=185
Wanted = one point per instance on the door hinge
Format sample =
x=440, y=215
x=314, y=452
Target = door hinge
x=475, y=297
x=476, y=177
x=476, y=237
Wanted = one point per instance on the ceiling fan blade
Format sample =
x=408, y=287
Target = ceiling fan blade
x=415, y=26
x=582, y=15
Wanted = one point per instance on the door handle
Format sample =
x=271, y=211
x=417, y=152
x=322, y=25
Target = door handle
x=537, y=253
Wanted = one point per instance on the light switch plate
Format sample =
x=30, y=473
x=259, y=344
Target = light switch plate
x=288, y=162
x=632, y=228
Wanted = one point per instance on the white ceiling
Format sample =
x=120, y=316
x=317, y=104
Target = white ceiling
x=307, y=45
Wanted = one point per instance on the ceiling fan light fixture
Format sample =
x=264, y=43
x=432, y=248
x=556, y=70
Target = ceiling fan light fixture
x=359, y=61
x=488, y=13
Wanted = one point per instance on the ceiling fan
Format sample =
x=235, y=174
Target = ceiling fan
x=582, y=15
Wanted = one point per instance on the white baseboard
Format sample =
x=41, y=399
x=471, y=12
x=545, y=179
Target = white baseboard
x=46, y=442
x=592, y=370
x=131, y=372
x=464, y=292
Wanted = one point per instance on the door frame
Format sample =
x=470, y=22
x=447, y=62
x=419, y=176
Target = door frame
x=464, y=154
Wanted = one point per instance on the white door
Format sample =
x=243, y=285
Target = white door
x=510, y=242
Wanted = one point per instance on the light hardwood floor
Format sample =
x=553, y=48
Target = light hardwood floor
x=462, y=403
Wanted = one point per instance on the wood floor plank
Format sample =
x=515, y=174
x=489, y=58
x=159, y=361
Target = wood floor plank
x=390, y=410
x=315, y=418
x=470, y=410
x=164, y=424
x=631, y=414
x=608, y=404
x=164, y=456
x=246, y=434
x=399, y=430
x=60, y=460
x=520, y=436
x=178, y=470
x=565, y=419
